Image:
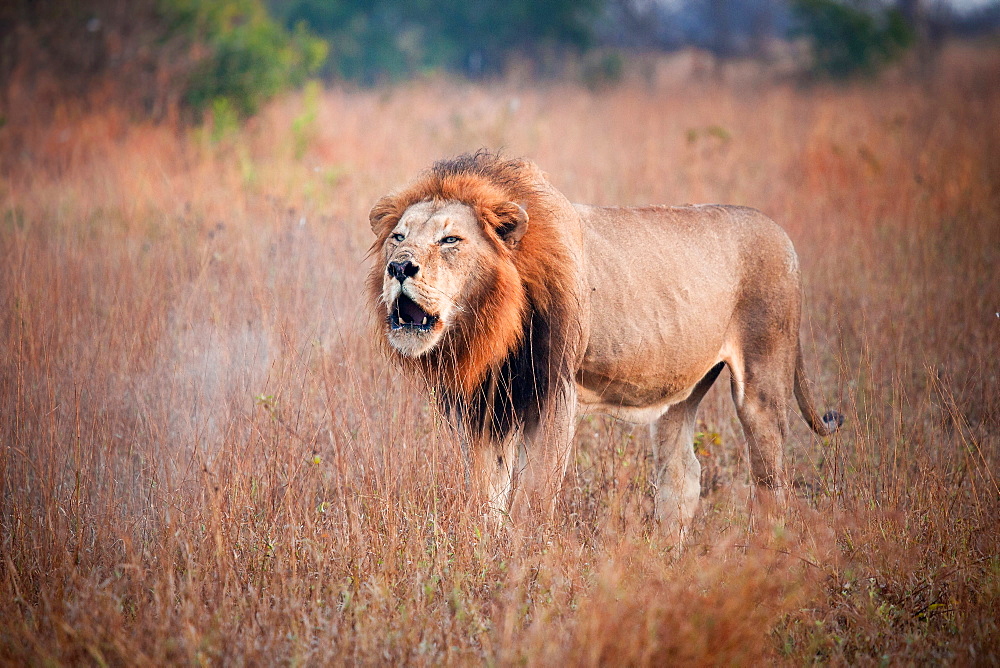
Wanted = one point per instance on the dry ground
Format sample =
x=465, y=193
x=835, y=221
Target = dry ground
x=203, y=461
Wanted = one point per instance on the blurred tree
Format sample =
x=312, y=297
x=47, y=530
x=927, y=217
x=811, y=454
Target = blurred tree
x=52, y=49
x=158, y=56
x=847, y=39
x=641, y=25
x=377, y=39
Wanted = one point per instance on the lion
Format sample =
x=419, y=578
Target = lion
x=521, y=310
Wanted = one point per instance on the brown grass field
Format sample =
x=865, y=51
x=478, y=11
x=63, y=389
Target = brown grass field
x=204, y=460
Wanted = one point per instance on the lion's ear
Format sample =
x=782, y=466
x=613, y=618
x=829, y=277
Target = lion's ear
x=383, y=211
x=512, y=222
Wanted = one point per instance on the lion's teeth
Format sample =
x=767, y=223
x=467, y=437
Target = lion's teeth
x=424, y=321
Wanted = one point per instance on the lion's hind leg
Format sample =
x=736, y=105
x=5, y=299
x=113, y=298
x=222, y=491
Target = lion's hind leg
x=678, y=472
x=761, y=389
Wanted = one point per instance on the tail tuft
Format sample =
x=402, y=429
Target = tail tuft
x=833, y=421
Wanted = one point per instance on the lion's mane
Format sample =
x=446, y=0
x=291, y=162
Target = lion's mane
x=494, y=369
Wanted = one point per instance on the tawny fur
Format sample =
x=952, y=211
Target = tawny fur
x=632, y=312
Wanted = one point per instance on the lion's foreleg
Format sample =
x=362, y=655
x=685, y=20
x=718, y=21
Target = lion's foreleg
x=494, y=468
x=545, y=455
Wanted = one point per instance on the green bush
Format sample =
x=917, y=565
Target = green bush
x=245, y=56
x=848, y=41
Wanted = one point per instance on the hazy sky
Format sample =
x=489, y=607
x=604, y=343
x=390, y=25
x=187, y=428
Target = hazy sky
x=962, y=5
x=966, y=5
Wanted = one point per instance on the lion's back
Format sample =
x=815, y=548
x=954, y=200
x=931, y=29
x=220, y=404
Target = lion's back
x=664, y=246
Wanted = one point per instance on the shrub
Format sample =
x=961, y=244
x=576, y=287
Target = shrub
x=247, y=56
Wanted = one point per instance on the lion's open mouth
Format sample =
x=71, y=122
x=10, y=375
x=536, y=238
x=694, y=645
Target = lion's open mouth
x=407, y=314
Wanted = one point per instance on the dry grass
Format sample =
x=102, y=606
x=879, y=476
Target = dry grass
x=203, y=461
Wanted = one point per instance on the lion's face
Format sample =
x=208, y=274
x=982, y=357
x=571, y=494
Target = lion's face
x=437, y=263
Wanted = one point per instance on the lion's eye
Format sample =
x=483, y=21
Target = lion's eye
x=450, y=240
x=396, y=236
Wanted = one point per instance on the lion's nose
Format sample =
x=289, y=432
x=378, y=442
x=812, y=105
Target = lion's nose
x=403, y=270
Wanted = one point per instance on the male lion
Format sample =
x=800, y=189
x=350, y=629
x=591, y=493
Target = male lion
x=518, y=307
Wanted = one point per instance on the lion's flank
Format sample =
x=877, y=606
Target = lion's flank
x=497, y=369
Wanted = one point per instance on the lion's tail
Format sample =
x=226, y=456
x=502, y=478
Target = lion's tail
x=831, y=420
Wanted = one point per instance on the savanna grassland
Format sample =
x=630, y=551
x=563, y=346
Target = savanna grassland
x=204, y=460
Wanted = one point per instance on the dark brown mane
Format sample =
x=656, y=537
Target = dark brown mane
x=497, y=376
